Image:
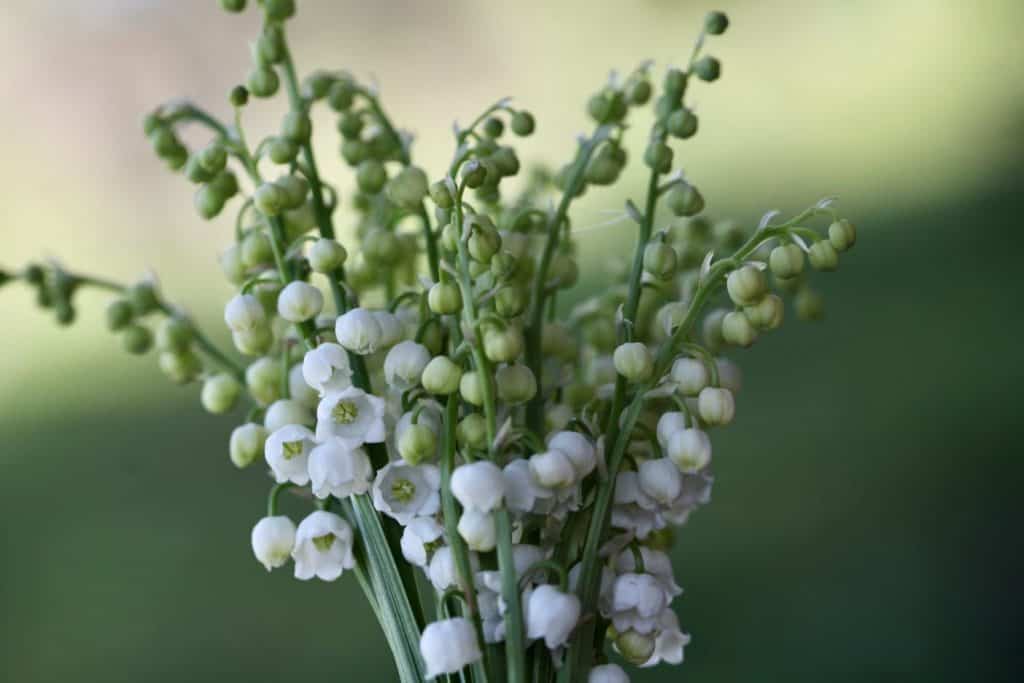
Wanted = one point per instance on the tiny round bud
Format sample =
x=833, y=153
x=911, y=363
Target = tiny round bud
x=180, y=368
x=299, y=301
x=786, y=261
x=715, y=23
x=294, y=189
x=522, y=123
x=708, y=69
x=635, y=647
x=474, y=173
x=326, y=256
x=441, y=376
x=174, y=334
x=136, y=339
x=220, y=393
x=510, y=301
x=809, y=304
x=633, y=361
x=263, y=379
x=675, y=82
x=716, y=406
x=737, y=329
x=350, y=125
x=239, y=96
x=371, y=176
x=263, y=81
x=254, y=342
x=256, y=250
x=660, y=260
x=441, y=195
x=690, y=375
x=823, y=256
x=842, y=234
x=232, y=5
x=658, y=157
x=746, y=285
x=143, y=297
x=381, y=247
x=682, y=123
x=282, y=150
x=408, y=188
x=317, y=84
x=270, y=199
x=279, y=10
x=516, y=383
x=208, y=201
x=417, y=443
x=225, y=184
x=341, y=95
x=685, y=200
x=493, y=127
x=297, y=127
x=484, y=242
x=213, y=157
x=119, y=314
x=767, y=314
x=503, y=346
x=471, y=432
x=471, y=388
x=444, y=298
x=638, y=91
x=246, y=444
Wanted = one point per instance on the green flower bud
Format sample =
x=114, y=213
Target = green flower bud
x=823, y=256
x=474, y=173
x=503, y=265
x=636, y=648
x=708, y=69
x=604, y=168
x=318, y=84
x=660, y=260
x=633, y=361
x=180, y=368
x=213, y=157
x=417, y=444
x=441, y=195
x=256, y=250
x=737, y=329
x=208, y=201
x=263, y=81
x=786, y=261
x=174, y=334
x=297, y=127
x=682, y=123
x=246, y=444
x=564, y=271
x=658, y=157
x=136, y=339
x=220, y=393
x=341, y=95
x=279, y=10
x=119, y=314
x=371, y=176
x=195, y=171
x=484, y=240
x=522, y=123
x=729, y=234
x=239, y=96
x=263, y=379
x=326, y=256
x=225, y=184
x=510, y=301
x=600, y=333
x=354, y=151
x=471, y=432
x=164, y=141
x=269, y=48
x=441, y=376
x=449, y=238
x=299, y=221
x=65, y=312
x=712, y=329
x=350, y=125
x=294, y=190
x=767, y=314
x=232, y=5
x=638, y=91
x=408, y=188
x=715, y=23
x=685, y=200
x=253, y=342
x=270, y=199
x=746, y=285
x=493, y=127
x=143, y=297
x=842, y=234
x=503, y=346
x=444, y=298
x=506, y=161
x=516, y=384
x=675, y=83
x=471, y=388
x=282, y=150
x=34, y=274
x=809, y=304
x=555, y=340
x=381, y=247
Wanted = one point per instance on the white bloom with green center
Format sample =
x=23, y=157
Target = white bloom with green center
x=478, y=485
x=326, y=368
x=404, y=364
x=339, y=471
x=421, y=537
x=359, y=331
x=404, y=492
x=551, y=614
x=287, y=452
x=272, y=541
x=353, y=416
x=670, y=642
x=323, y=547
x=449, y=645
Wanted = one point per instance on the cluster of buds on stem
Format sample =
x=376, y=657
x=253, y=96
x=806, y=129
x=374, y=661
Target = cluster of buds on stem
x=421, y=388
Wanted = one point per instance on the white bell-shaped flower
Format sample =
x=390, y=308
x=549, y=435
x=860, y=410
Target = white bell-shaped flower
x=670, y=642
x=668, y=424
x=300, y=390
x=637, y=603
x=551, y=614
x=634, y=510
x=339, y=471
x=656, y=563
x=272, y=541
x=353, y=416
x=359, y=331
x=441, y=571
x=449, y=645
x=578, y=449
x=404, y=492
x=391, y=329
x=418, y=538
x=522, y=492
x=299, y=301
x=607, y=673
x=244, y=313
x=478, y=530
x=478, y=485
x=326, y=368
x=552, y=469
x=404, y=364
x=690, y=450
x=660, y=479
x=323, y=547
x=716, y=406
x=287, y=452
x=690, y=376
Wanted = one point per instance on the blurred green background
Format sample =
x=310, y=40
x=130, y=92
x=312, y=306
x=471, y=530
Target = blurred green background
x=868, y=496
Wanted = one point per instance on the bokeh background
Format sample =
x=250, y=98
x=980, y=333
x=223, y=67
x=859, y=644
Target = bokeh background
x=866, y=525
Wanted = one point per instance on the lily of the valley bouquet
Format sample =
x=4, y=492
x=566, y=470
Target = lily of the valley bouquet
x=499, y=472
